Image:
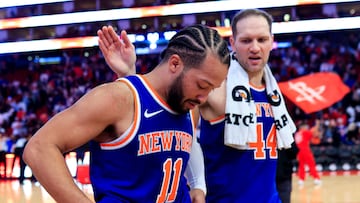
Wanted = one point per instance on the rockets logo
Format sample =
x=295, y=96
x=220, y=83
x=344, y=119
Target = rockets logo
x=315, y=92
x=312, y=95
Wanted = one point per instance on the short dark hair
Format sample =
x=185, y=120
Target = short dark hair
x=194, y=43
x=250, y=12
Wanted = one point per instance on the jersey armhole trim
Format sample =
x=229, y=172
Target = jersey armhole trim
x=130, y=133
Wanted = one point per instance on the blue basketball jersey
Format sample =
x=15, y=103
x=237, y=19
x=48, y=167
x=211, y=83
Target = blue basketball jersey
x=241, y=176
x=146, y=164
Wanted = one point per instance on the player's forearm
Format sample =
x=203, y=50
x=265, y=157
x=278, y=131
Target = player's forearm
x=197, y=196
x=122, y=70
x=131, y=71
x=195, y=171
x=50, y=169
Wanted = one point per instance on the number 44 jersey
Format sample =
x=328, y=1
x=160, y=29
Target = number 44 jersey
x=238, y=176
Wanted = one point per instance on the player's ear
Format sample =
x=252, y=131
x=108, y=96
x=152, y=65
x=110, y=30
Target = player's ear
x=175, y=63
x=232, y=42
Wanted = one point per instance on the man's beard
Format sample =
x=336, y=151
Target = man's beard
x=176, y=95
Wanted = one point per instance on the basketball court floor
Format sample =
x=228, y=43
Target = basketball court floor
x=336, y=187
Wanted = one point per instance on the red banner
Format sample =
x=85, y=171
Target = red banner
x=315, y=92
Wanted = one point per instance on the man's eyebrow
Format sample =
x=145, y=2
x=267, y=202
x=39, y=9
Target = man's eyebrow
x=206, y=81
x=211, y=84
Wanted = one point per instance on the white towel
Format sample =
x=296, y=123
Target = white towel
x=238, y=133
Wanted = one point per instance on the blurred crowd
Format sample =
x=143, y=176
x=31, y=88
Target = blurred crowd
x=31, y=92
x=337, y=52
x=153, y=24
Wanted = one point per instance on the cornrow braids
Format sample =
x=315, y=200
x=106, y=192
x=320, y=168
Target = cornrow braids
x=194, y=43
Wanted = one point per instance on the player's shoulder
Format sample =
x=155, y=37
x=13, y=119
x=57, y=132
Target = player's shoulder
x=113, y=92
x=215, y=104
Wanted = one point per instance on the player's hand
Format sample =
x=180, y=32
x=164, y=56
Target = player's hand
x=197, y=196
x=119, y=52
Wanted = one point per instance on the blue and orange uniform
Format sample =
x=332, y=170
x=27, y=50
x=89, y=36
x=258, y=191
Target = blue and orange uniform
x=227, y=168
x=147, y=162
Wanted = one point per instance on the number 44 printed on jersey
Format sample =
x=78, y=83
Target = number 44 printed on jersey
x=261, y=144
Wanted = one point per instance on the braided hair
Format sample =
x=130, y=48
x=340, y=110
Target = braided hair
x=194, y=43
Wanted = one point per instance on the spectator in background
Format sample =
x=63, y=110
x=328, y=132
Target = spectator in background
x=19, y=150
x=353, y=134
x=3, y=151
x=305, y=156
x=331, y=135
x=80, y=153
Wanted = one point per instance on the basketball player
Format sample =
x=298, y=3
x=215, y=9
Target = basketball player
x=140, y=127
x=246, y=172
x=305, y=156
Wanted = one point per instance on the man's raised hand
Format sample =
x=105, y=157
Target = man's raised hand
x=119, y=52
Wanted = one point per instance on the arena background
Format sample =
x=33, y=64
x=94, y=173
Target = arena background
x=49, y=58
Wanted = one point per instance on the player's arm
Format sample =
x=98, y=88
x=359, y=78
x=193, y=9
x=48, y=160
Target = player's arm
x=195, y=174
x=69, y=129
x=118, y=54
x=316, y=129
x=195, y=171
x=118, y=51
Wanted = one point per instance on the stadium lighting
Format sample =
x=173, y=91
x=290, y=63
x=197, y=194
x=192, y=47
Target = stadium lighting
x=92, y=41
x=12, y=3
x=142, y=12
x=307, y=26
x=48, y=44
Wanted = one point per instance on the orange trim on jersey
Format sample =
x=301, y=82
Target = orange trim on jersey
x=131, y=133
x=192, y=115
x=257, y=87
x=155, y=94
x=217, y=120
